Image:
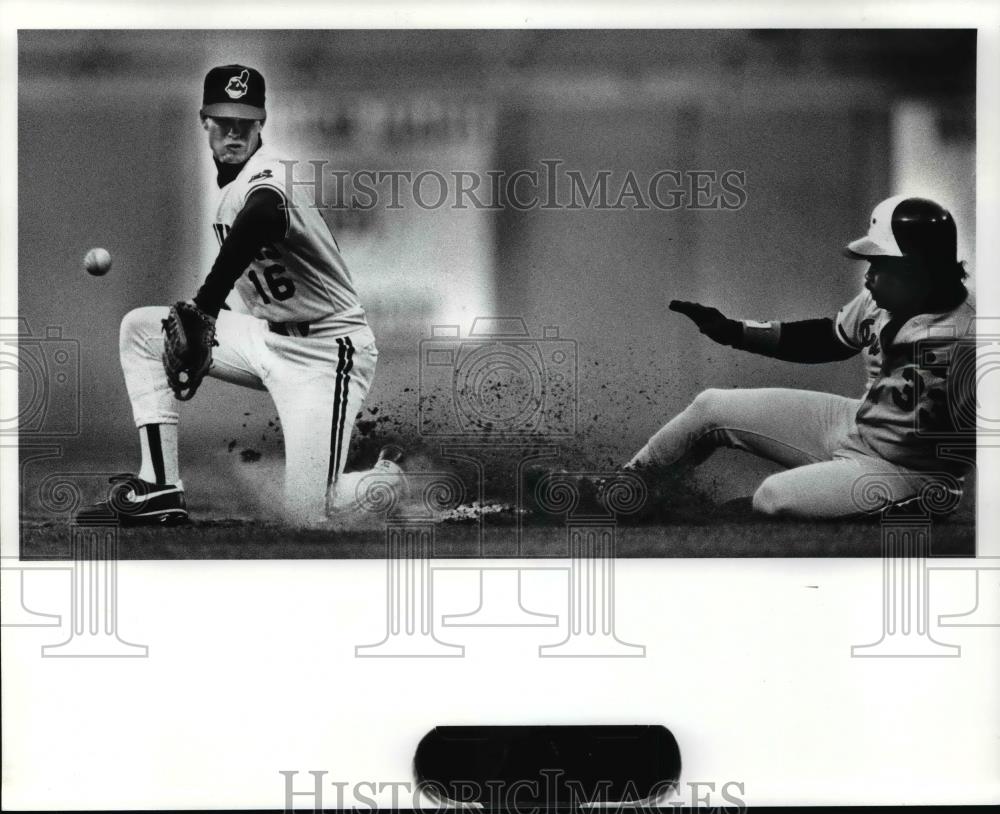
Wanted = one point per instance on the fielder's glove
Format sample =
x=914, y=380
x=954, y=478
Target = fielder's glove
x=189, y=336
x=711, y=322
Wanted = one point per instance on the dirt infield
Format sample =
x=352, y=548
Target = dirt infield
x=242, y=539
x=225, y=505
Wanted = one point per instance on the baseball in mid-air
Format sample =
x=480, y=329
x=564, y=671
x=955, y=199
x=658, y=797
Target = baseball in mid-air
x=97, y=262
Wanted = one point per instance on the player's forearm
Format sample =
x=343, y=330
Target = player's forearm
x=260, y=222
x=810, y=341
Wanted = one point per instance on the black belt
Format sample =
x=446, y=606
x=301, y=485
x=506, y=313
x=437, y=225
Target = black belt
x=289, y=328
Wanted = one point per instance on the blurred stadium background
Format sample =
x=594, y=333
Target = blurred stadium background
x=823, y=123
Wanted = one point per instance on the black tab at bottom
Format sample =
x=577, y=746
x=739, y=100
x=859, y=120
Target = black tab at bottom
x=506, y=767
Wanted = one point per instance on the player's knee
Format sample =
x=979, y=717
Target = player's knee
x=772, y=500
x=709, y=405
x=136, y=325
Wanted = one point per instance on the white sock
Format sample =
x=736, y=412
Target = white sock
x=390, y=467
x=159, y=453
x=345, y=489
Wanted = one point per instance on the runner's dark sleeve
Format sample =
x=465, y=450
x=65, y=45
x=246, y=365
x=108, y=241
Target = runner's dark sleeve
x=810, y=341
x=262, y=220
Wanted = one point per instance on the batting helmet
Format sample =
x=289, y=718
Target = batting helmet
x=908, y=227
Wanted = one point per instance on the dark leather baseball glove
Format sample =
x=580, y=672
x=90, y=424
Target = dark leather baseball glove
x=189, y=336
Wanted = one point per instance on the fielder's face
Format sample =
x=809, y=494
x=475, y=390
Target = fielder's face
x=897, y=284
x=232, y=141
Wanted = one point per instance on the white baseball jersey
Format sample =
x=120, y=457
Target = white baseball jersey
x=904, y=412
x=303, y=277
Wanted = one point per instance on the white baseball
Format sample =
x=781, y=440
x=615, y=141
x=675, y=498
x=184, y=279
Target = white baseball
x=97, y=262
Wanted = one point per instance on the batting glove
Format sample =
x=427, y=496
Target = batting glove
x=711, y=322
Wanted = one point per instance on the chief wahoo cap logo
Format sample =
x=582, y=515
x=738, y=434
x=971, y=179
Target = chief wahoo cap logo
x=237, y=86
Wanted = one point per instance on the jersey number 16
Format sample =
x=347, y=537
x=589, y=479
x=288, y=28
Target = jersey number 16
x=281, y=288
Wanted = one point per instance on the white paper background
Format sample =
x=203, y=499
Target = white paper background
x=251, y=667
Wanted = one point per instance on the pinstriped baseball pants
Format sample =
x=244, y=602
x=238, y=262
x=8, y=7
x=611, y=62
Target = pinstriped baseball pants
x=318, y=385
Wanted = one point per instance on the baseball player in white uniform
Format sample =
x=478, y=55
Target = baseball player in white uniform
x=913, y=295
x=304, y=337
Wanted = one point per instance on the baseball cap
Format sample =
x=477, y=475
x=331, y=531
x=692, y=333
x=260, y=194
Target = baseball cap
x=903, y=226
x=234, y=92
